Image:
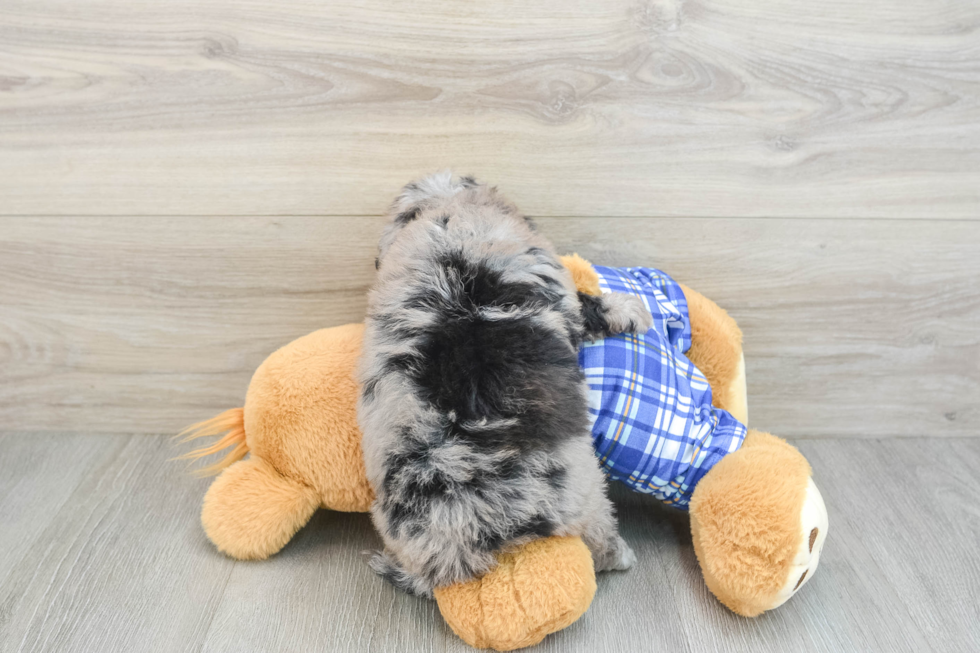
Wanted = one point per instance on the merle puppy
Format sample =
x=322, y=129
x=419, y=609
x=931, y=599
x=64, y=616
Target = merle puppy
x=473, y=407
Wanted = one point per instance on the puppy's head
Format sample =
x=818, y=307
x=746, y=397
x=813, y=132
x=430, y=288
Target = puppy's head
x=417, y=197
x=440, y=197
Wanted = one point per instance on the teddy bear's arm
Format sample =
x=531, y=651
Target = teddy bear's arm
x=716, y=340
x=716, y=350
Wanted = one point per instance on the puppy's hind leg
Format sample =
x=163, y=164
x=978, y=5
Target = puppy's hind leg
x=611, y=313
x=609, y=550
x=596, y=521
x=385, y=565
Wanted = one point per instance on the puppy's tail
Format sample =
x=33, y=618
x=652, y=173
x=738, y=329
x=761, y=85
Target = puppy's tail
x=232, y=424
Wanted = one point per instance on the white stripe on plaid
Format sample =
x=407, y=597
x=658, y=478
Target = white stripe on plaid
x=654, y=427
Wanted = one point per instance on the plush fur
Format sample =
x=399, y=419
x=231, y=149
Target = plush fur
x=583, y=274
x=538, y=589
x=251, y=511
x=299, y=416
x=473, y=406
x=300, y=425
x=751, y=496
x=716, y=350
x=231, y=426
x=300, y=408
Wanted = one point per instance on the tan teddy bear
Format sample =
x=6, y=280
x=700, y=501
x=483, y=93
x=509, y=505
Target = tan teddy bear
x=757, y=520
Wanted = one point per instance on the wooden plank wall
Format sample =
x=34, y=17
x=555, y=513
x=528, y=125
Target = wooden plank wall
x=186, y=186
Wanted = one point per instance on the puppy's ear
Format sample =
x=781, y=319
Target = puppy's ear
x=585, y=277
x=408, y=215
x=416, y=197
x=426, y=191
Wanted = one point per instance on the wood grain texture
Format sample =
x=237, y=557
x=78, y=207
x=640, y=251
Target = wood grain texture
x=790, y=108
x=852, y=327
x=29, y=499
x=914, y=501
x=856, y=328
x=123, y=566
x=136, y=325
x=318, y=594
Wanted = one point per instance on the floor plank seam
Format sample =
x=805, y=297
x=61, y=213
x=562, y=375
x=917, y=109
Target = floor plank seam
x=217, y=607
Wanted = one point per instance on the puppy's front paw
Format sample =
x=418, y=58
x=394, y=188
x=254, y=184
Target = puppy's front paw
x=626, y=314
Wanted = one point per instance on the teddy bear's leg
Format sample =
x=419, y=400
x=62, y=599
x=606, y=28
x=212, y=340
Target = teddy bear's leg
x=758, y=524
x=716, y=350
x=535, y=590
x=251, y=511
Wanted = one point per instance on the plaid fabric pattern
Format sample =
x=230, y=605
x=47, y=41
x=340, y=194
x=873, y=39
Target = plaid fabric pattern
x=654, y=426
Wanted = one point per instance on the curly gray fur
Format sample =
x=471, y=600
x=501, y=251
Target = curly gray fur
x=473, y=407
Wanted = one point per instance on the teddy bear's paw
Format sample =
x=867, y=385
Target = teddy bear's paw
x=814, y=524
x=537, y=589
x=251, y=511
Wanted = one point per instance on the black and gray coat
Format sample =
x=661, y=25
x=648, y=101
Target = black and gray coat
x=473, y=406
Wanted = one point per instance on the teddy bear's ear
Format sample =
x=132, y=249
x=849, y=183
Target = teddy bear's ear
x=585, y=277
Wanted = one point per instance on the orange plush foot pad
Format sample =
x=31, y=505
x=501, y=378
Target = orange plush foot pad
x=536, y=590
x=251, y=511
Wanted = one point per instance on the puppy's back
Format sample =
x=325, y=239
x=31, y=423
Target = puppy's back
x=470, y=385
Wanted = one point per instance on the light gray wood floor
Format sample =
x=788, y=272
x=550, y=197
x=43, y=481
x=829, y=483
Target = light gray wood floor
x=101, y=550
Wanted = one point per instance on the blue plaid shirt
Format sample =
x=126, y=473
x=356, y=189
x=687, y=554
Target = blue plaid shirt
x=654, y=427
